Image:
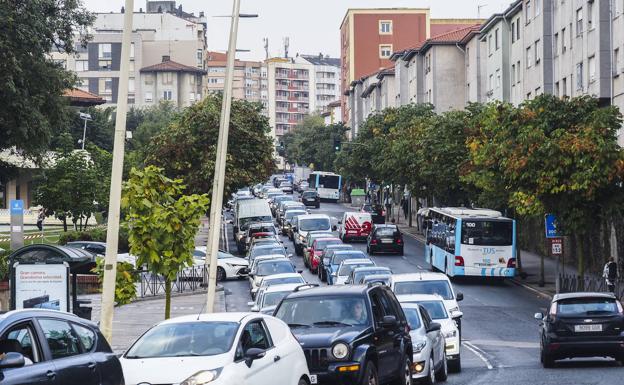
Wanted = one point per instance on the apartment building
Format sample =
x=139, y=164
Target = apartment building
x=494, y=35
x=325, y=78
x=250, y=78
x=171, y=81
x=291, y=93
x=617, y=64
x=387, y=91
x=163, y=30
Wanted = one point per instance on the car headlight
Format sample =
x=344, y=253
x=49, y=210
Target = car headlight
x=419, y=346
x=454, y=309
x=451, y=334
x=203, y=377
x=340, y=351
x=301, y=238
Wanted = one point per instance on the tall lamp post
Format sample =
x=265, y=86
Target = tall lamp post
x=219, y=176
x=85, y=117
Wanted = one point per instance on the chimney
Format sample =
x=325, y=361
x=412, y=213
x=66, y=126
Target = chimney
x=140, y=10
x=201, y=14
x=166, y=58
x=123, y=9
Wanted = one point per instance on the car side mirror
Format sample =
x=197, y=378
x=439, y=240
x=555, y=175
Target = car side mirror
x=459, y=296
x=434, y=326
x=334, y=228
x=388, y=321
x=253, y=354
x=538, y=316
x=12, y=360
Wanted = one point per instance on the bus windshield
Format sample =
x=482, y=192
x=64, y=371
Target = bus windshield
x=329, y=181
x=487, y=233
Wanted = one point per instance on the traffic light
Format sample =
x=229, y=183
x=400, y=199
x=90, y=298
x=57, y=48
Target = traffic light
x=337, y=145
x=281, y=149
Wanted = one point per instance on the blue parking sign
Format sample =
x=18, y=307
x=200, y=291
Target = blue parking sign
x=552, y=230
x=17, y=207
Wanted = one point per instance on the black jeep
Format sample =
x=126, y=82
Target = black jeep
x=354, y=334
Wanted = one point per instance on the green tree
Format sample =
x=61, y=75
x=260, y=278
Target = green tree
x=31, y=96
x=163, y=223
x=187, y=149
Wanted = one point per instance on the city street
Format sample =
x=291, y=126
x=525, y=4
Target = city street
x=500, y=336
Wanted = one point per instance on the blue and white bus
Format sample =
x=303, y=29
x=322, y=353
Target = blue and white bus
x=470, y=242
x=327, y=184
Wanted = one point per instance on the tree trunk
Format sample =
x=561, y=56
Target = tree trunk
x=80, y=223
x=167, y=298
x=580, y=257
x=64, y=224
x=86, y=220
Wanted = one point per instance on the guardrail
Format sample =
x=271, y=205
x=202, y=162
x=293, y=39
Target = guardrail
x=188, y=280
x=573, y=283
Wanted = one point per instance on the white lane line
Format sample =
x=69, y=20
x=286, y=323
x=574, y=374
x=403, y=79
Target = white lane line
x=420, y=267
x=479, y=354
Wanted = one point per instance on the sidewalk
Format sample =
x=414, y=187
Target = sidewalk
x=132, y=320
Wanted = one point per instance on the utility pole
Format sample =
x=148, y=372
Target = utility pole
x=112, y=233
x=219, y=176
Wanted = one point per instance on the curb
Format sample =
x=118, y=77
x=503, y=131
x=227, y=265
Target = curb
x=530, y=288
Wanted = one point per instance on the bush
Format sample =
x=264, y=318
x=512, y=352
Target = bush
x=125, y=279
x=96, y=235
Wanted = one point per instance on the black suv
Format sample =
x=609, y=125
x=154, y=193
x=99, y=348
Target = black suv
x=311, y=198
x=354, y=334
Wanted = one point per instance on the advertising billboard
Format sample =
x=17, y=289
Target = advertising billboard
x=42, y=286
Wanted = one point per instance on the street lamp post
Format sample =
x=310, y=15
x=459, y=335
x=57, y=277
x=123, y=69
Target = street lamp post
x=218, y=185
x=85, y=117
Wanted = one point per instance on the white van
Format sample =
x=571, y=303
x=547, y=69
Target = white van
x=249, y=211
x=307, y=223
x=355, y=225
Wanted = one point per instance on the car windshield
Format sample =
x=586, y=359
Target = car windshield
x=359, y=274
x=347, y=269
x=487, y=233
x=281, y=281
x=274, y=267
x=259, y=251
x=440, y=288
x=322, y=245
x=185, y=339
x=339, y=257
x=324, y=311
x=274, y=298
x=387, y=232
x=283, y=199
x=583, y=307
x=290, y=214
x=413, y=317
x=314, y=224
x=435, y=309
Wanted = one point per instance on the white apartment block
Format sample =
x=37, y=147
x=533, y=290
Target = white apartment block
x=325, y=78
x=169, y=33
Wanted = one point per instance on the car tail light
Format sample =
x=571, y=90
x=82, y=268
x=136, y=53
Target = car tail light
x=511, y=263
x=399, y=241
x=383, y=213
x=459, y=260
x=373, y=241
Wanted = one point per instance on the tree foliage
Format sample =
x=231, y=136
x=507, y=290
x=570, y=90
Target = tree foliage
x=187, y=149
x=163, y=223
x=31, y=97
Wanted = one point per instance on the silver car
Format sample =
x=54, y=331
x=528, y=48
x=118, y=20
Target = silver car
x=429, y=359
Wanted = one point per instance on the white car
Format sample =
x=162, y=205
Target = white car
x=434, y=304
x=428, y=358
x=228, y=266
x=427, y=282
x=342, y=274
x=277, y=279
x=266, y=267
x=269, y=297
x=216, y=349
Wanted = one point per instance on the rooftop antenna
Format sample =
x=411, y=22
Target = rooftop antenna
x=286, y=45
x=265, y=40
x=482, y=5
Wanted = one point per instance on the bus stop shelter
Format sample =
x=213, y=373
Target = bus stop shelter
x=50, y=258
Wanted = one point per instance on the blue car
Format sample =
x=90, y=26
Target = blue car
x=335, y=259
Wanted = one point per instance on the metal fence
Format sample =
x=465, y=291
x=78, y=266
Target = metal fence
x=573, y=283
x=188, y=280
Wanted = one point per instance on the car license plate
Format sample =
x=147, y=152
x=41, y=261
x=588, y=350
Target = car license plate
x=313, y=379
x=587, y=328
x=386, y=241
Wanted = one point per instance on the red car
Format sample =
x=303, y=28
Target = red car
x=316, y=250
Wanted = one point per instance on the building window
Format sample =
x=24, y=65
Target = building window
x=563, y=41
x=497, y=38
x=529, y=57
x=82, y=65
x=491, y=83
x=105, y=86
x=200, y=58
x=385, y=51
x=564, y=87
x=149, y=97
x=528, y=12
x=217, y=70
x=513, y=74
x=557, y=89
x=538, y=51
x=149, y=78
x=517, y=29
x=167, y=78
x=590, y=14
x=579, y=76
x=385, y=27
x=592, y=69
x=579, y=21
x=513, y=32
x=105, y=65
x=556, y=44
x=131, y=66
x=192, y=96
x=167, y=95
x=538, y=7
x=616, y=61
x=518, y=68
x=104, y=51
x=131, y=85
x=490, y=44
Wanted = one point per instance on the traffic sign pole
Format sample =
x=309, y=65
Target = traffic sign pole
x=17, y=224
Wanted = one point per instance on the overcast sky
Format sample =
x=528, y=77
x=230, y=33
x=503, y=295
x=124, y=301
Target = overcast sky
x=311, y=25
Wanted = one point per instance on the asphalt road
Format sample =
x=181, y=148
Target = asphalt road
x=500, y=337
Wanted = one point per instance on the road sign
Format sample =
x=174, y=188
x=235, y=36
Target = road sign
x=551, y=225
x=17, y=223
x=17, y=207
x=556, y=246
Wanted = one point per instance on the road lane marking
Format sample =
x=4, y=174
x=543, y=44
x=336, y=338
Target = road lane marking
x=511, y=344
x=479, y=353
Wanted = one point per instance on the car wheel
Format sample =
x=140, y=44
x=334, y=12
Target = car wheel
x=302, y=381
x=455, y=365
x=442, y=373
x=370, y=375
x=221, y=276
x=547, y=360
x=405, y=375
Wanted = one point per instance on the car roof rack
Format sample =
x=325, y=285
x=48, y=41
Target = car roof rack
x=309, y=285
